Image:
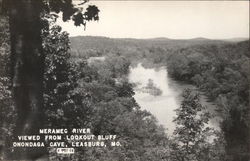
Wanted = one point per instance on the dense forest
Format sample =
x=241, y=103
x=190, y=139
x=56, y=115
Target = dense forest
x=222, y=72
x=80, y=93
x=219, y=68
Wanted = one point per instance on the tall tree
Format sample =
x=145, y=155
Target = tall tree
x=191, y=135
x=27, y=20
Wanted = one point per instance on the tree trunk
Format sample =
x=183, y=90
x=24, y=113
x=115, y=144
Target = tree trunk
x=27, y=70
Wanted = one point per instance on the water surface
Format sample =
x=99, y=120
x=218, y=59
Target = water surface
x=162, y=106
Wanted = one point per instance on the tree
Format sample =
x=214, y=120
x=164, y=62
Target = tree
x=27, y=19
x=7, y=111
x=57, y=82
x=191, y=133
x=65, y=102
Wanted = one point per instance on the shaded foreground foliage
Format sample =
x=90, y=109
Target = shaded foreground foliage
x=27, y=21
x=79, y=95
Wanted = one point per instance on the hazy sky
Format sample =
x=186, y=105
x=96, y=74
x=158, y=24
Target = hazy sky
x=172, y=19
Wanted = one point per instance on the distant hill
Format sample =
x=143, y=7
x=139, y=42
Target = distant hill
x=239, y=39
x=86, y=43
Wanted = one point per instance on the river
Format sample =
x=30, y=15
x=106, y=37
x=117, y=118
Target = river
x=163, y=106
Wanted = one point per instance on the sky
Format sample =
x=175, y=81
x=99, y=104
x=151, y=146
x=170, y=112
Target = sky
x=170, y=19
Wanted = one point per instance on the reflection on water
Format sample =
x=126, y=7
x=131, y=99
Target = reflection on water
x=151, y=88
x=161, y=106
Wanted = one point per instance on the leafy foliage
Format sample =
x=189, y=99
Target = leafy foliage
x=7, y=110
x=98, y=95
x=219, y=71
x=28, y=19
x=191, y=134
x=219, y=68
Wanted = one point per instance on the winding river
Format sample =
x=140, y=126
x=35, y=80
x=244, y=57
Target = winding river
x=162, y=106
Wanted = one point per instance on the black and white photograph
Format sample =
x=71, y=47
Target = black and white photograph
x=124, y=80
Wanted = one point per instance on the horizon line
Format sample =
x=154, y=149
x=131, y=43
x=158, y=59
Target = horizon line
x=161, y=37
